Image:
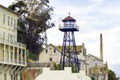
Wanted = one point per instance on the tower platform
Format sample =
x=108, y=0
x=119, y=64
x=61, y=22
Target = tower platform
x=73, y=28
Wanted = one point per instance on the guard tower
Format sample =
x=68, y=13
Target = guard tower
x=69, y=54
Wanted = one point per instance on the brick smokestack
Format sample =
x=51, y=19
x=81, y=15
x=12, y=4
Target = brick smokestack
x=101, y=47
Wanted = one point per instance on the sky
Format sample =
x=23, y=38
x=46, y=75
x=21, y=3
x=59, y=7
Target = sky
x=93, y=17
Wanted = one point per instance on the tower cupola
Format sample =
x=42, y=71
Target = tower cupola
x=69, y=24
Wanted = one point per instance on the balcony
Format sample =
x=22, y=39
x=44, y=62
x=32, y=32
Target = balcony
x=12, y=62
x=21, y=45
x=11, y=43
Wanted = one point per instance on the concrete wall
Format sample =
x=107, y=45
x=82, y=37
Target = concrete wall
x=65, y=74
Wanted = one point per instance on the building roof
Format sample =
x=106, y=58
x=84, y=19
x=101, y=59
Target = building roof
x=8, y=10
x=52, y=46
x=97, y=58
x=68, y=18
x=55, y=47
x=59, y=48
x=78, y=48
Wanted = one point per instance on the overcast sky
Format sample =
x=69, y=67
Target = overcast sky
x=93, y=17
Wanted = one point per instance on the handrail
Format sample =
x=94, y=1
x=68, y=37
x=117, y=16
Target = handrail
x=4, y=41
x=38, y=64
x=68, y=27
x=11, y=61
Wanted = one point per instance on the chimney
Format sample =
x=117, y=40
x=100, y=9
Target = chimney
x=101, y=47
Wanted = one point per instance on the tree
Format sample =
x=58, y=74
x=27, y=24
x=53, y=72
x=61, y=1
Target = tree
x=35, y=16
x=111, y=75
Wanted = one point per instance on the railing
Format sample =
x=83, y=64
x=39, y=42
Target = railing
x=4, y=41
x=68, y=26
x=21, y=45
x=38, y=64
x=12, y=62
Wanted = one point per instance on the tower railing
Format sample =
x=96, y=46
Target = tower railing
x=69, y=26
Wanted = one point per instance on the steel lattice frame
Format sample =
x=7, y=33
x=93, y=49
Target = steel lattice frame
x=69, y=54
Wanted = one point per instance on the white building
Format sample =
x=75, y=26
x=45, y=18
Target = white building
x=12, y=53
x=50, y=54
x=95, y=68
x=53, y=53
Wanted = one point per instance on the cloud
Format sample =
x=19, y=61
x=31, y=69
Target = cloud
x=113, y=34
x=111, y=44
x=110, y=10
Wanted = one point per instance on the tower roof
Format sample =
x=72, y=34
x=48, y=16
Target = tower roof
x=68, y=18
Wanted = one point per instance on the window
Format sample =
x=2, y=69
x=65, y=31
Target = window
x=50, y=59
x=0, y=34
x=72, y=22
x=54, y=50
x=8, y=37
x=3, y=35
x=3, y=18
x=46, y=51
x=93, y=59
x=5, y=76
x=68, y=22
x=50, y=50
x=8, y=20
x=11, y=21
x=15, y=23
